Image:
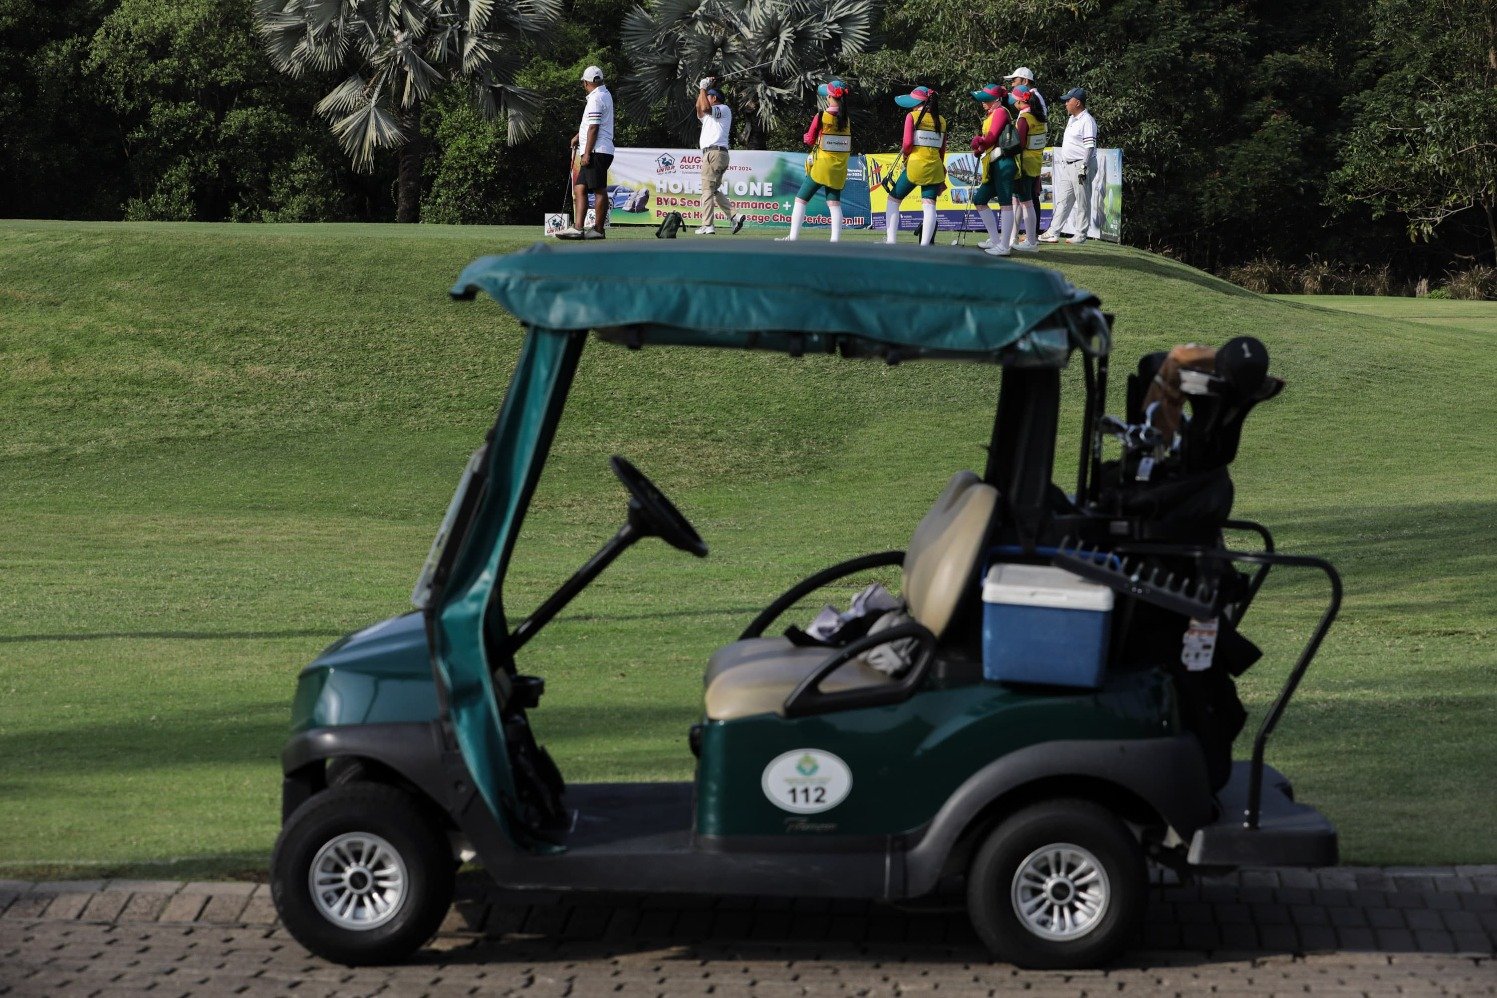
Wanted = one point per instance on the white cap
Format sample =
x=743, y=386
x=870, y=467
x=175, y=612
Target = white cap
x=1023, y=71
x=592, y=74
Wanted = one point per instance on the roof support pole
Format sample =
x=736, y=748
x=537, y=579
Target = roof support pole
x=1021, y=454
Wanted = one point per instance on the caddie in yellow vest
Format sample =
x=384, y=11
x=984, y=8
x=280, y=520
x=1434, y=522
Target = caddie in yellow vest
x=1032, y=137
x=996, y=147
x=830, y=139
x=924, y=152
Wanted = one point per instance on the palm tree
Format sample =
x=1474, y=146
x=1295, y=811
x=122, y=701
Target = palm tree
x=772, y=52
x=397, y=53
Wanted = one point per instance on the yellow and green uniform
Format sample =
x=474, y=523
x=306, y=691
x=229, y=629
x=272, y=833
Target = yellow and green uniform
x=1032, y=157
x=997, y=169
x=833, y=146
x=924, y=165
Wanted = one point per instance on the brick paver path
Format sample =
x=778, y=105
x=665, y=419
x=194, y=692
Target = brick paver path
x=1325, y=932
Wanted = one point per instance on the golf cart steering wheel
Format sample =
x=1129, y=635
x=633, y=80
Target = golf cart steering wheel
x=652, y=514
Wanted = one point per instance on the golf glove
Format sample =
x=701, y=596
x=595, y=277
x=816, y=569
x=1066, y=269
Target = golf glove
x=1081, y=175
x=705, y=82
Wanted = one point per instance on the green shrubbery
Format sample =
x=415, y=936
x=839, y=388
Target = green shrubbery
x=1253, y=132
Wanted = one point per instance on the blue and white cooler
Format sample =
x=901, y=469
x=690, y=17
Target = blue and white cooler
x=1044, y=625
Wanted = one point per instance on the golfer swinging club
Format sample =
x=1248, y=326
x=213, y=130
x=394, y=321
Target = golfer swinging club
x=924, y=149
x=592, y=154
x=830, y=138
x=717, y=126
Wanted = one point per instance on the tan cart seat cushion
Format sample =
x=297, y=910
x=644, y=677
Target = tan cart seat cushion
x=756, y=675
x=763, y=672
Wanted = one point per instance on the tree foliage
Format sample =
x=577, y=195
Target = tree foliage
x=773, y=52
x=1287, y=130
x=399, y=52
x=1423, y=143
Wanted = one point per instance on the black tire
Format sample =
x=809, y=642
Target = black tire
x=1094, y=834
x=406, y=830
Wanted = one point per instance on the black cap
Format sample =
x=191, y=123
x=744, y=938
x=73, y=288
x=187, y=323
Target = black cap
x=1243, y=364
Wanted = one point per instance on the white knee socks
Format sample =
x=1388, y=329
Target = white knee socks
x=796, y=218
x=891, y=221
x=835, y=207
x=1005, y=227
x=927, y=222
x=1031, y=222
x=989, y=222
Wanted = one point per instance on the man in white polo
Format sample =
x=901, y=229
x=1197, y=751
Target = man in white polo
x=717, y=127
x=1074, y=163
x=592, y=155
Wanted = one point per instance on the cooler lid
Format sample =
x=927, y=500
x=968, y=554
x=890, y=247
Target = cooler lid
x=1041, y=585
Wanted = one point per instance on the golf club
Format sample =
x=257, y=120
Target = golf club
x=568, y=201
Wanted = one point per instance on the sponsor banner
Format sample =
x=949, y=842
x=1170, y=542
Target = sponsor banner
x=645, y=185
x=954, y=210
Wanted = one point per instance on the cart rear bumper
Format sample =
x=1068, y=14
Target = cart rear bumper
x=1288, y=833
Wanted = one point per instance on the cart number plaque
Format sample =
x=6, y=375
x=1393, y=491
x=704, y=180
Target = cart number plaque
x=806, y=781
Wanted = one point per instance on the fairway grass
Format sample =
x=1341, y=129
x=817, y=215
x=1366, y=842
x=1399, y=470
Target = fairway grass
x=228, y=445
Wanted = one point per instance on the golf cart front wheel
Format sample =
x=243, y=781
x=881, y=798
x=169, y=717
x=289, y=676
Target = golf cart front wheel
x=361, y=874
x=1060, y=885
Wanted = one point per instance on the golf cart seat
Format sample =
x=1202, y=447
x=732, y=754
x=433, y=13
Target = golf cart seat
x=757, y=675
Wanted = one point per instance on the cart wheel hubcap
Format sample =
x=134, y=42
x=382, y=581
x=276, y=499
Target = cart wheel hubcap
x=358, y=881
x=1060, y=892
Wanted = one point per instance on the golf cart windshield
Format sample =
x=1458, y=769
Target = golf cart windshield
x=461, y=505
x=894, y=303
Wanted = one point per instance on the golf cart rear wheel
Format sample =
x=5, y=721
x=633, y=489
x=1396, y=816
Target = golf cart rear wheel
x=1059, y=885
x=361, y=874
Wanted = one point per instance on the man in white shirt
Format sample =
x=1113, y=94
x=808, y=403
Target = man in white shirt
x=592, y=155
x=1073, y=164
x=717, y=128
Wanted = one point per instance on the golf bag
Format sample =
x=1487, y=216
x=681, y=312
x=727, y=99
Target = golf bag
x=1173, y=480
x=670, y=225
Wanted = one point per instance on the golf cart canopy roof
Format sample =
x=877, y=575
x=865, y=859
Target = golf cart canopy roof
x=894, y=302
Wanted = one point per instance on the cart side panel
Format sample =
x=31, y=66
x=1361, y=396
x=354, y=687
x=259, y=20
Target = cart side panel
x=906, y=760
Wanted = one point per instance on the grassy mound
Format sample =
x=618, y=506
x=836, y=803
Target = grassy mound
x=228, y=445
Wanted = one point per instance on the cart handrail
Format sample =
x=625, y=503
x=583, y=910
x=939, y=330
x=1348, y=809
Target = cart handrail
x=813, y=582
x=1271, y=720
x=807, y=697
x=1259, y=576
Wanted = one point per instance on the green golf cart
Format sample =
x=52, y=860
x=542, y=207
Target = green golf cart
x=1023, y=726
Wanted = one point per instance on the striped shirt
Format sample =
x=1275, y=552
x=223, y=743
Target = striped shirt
x=599, y=111
x=1081, y=137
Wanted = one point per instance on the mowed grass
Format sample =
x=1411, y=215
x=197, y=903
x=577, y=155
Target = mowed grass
x=227, y=445
x=1476, y=315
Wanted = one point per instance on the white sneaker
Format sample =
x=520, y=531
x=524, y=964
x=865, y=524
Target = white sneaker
x=1049, y=238
x=707, y=230
x=738, y=221
x=570, y=232
x=1077, y=239
x=999, y=250
x=784, y=239
x=593, y=234
x=1027, y=247
x=985, y=244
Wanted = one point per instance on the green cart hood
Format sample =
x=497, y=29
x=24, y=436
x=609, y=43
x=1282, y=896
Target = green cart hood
x=898, y=303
